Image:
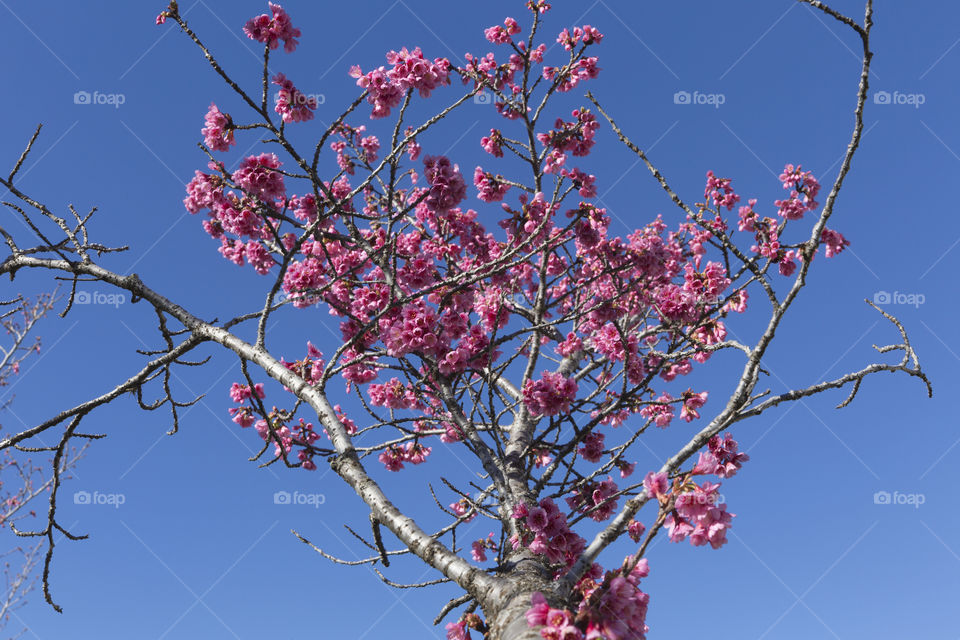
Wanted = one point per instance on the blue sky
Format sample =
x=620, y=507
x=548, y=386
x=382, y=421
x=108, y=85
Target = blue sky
x=199, y=549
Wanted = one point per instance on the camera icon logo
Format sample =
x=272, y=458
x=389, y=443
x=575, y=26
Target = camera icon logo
x=483, y=98
x=81, y=97
x=82, y=297
x=281, y=497
x=881, y=97
x=681, y=97
x=81, y=497
x=881, y=297
x=881, y=497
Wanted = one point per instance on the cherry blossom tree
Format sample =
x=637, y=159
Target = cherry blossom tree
x=22, y=482
x=523, y=335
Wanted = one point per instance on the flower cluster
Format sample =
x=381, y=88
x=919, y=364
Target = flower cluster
x=550, y=395
x=490, y=188
x=393, y=395
x=661, y=411
x=698, y=514
x=478, y=548
x=259, y=177
x=575, y=137
x=547, y=533
x=586, y=35
x=720, y=192
x=595, y=498
x=833, y=241
x=291, y=104
x=612, y=609
x=394, y=456
x=271, y=29
x=492, y=144
x=447, y=188
x=218, y=131
x=501, y=35
x=803, y=189
x=385, y=88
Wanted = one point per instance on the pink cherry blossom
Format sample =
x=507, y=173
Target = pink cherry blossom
x=834, y=242
x=271, y=29
x=550, y=395
x=218, y=131
x=490, y=188
x=447, y=188
x=258, y=176
x=291, y=104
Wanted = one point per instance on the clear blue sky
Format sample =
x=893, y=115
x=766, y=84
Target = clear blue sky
x=200, y=550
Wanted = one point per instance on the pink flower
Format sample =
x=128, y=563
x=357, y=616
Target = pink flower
x=699, y=515
x=582, y=182
x=635, y=530
x=833, y=241
x=692, y=402
x=218, y=132
x=786, y=264
x=392, y=458
x=550, y=395
x=258, y=176
x=291, y=104
x=240, y=392
x=592, y=449
x=558, y=618
x=447, y=188
x=370, y=146
x=461, y=508
x=259, y=258
x=243, y=416
x=595, y=497
x=489, y=187
x=271, y=29
x=728, y=458
x=479, y=550
x=492, y=143
x=720, y=192
x=554, y=161
x=661, y=414
x=416, y=453
x=537, y=613
x=656, y=484
x=457, y=631
x=393, y=395
x=501, y=35
x=382, y=93
x=537, y=519
x=412, y=71
x=538, y=6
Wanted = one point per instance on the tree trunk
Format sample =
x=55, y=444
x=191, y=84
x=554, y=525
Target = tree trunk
x=510, y=622
x=505, y=613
